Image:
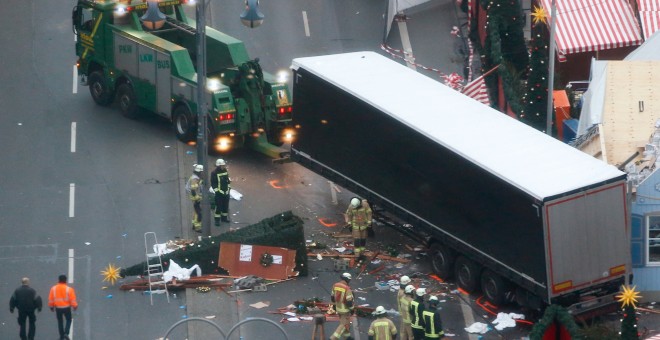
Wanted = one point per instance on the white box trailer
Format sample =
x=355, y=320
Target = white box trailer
x=508, y=208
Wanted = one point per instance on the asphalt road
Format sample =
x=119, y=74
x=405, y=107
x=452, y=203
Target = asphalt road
x=80, y=185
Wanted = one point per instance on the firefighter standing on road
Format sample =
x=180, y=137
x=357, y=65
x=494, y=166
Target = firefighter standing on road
x=358, y=216
x=432, y=322
x=382, y=328
x=416, y=311
x=194, y=190
x=404, y=308
x=342, y=297
x=221, y=185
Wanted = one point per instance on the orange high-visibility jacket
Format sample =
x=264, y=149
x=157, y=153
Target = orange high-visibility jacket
x=62, y=296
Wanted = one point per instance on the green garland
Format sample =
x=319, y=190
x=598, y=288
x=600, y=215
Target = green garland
x=552, y=313
x=504, y=46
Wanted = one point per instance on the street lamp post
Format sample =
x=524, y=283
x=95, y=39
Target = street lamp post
x=252, y=18
x=551, y=68
x=202, y=140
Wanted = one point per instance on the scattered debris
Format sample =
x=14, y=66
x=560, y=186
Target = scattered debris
x=505, y=320
x=477, y=328
x=260, y=305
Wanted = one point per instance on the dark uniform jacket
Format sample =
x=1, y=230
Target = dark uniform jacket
x=220, y=181
x=25, y=299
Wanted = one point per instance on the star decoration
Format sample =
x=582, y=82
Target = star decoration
x=111, y=274
x=539, y=15
x=629, y=296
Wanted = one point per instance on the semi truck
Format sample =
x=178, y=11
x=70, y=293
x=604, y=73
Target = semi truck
x=151, y=66
x=505, y=210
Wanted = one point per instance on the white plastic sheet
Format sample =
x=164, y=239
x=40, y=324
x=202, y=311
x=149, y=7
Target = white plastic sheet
x=176, y=271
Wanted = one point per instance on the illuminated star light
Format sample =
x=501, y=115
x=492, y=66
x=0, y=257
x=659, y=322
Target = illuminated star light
x=111, y=274
x=539, y=15
x=629, y=296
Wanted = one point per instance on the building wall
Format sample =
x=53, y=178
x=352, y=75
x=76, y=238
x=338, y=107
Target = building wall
x=645, y=209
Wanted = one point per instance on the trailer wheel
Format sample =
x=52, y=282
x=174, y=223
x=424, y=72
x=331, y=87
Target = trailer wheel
x=127, y=101
x=442, y=260
x=467, y=274
x=99, y=89
x=184, y=124
x=528, y=300
x=494, y=287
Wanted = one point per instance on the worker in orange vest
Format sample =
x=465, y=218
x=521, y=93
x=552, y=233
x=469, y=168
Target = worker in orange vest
x=60, y=300
x=342, y=297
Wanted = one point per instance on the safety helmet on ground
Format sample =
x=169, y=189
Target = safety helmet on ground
x=380, y=310
x=409, y=289
x=355, y=202
x=198, y=167
x=346, y=276
x=420, y=291
x=220, y=162
x=404, y=280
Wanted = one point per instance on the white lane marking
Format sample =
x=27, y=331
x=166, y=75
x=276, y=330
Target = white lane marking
x=71, y=254
x=72, y=198
x=70, y=277
x=75, y=79
x=73, y=136
x=306, y=23
x=469, y=319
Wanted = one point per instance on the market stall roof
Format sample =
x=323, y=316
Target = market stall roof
x=649, y=14
x=649, y=50
x=593, y=25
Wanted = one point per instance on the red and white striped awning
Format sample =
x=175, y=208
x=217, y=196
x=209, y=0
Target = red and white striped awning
x=593, y=25
x=649, y=14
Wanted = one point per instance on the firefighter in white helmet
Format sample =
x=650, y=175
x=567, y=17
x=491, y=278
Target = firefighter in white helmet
x=359, y=216
x=404, y=308
x=432, y=322
x=417, y=309
x=342, y=297
x=221, y=185
x=194, y=190
x=382, y=328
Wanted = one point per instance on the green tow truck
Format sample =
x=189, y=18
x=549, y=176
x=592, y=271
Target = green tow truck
x=152, y=67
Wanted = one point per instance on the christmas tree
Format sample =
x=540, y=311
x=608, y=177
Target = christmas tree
x=629, y=322
x=536, y=96
x=282, y=230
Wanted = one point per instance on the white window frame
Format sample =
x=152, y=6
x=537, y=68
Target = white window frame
x=648, y=239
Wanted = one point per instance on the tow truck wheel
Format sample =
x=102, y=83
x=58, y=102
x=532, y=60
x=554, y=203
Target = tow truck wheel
x=467, y=274
x=98, y=89
x=185, y=125
x=127, y=101
x=494, y=287
x=442, y=260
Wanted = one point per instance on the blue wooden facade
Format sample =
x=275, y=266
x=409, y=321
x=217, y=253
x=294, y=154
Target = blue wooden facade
x=645, y=235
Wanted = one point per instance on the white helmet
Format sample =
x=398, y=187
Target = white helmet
x=380, y=310
x=220, y=162
x=198, y=167
x=433, y=298
x=346, y=276
x=405, y=280
x=409, y=289
x=355, y=202
x=420, y=291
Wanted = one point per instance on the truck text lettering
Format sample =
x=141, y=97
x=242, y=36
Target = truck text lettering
x=127, y=49
x=163, y=64
x=148, y=58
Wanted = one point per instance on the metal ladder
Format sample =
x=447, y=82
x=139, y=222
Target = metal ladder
x=154, y=271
